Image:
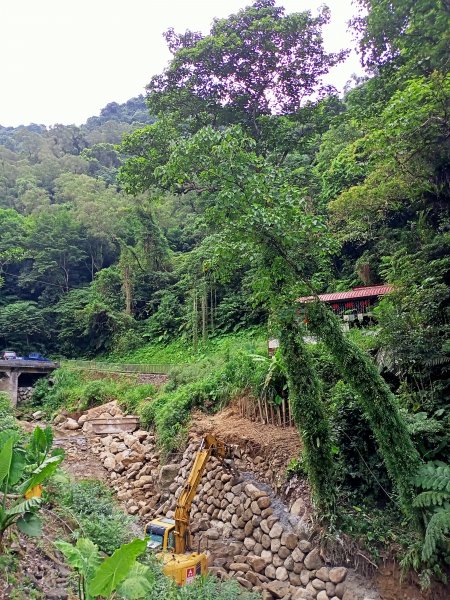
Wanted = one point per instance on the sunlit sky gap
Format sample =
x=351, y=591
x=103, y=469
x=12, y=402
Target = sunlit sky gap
x=64, y=60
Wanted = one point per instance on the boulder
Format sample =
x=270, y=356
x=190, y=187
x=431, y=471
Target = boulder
x=318, y=584
x=270, y=572
x=278, y=589
x=298, y=508
x=263, y=502
x=323, y=574
x=338, y=574
x=238, y=566
x=71, y=424
x=212, y=534
x=305, y=546
x=276, y=530
x=290, y=540
x=304, y=577
x=167, y=475
x=281, y=574
x=302, y=595
x=257, y=563
x=297, y=555
x=253, y=492
x=313, y=560
x=244, y=582
x=109, y=462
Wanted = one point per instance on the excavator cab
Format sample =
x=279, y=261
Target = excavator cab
x=161, y=534
x=183, y=568
x=170, y=539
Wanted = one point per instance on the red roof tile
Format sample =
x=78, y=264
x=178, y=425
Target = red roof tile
x=359, y=292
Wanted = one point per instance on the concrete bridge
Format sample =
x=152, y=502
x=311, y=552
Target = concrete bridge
x=15, y=374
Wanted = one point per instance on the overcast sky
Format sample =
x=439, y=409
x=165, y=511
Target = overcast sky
x=64, y=60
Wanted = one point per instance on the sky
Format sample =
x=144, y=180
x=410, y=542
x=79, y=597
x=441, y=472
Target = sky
x=62, y=61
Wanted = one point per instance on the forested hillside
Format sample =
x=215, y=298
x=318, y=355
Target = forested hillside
x=244, y=183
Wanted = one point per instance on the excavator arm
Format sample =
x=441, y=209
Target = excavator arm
x=210, y=446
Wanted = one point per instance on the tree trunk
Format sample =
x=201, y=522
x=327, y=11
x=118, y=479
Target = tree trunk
x=127, y=290
x=195, y=322
x=204, y=303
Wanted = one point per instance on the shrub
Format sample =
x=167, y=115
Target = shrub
x=92, y=505
x=7, y=419
x=94, y=393
x=362, y=470
x=132, y=396
x=62, y=390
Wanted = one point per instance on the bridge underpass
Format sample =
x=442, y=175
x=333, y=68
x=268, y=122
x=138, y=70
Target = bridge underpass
x=15, y=374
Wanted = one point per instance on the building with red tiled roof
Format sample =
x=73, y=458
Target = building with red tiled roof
x=357, y=302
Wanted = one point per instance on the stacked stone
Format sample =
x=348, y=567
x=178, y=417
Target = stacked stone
x=262, y=548
x=132, y=462
x=24, y=394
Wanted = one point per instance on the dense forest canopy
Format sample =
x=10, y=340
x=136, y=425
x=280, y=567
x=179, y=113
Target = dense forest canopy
x=239, y=184
x=370, y=167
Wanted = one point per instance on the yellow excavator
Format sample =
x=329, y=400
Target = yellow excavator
x=171, y=538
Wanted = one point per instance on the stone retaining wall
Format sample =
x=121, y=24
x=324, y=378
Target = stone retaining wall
x=252, y=536
x=248, y=532
x=24, y=394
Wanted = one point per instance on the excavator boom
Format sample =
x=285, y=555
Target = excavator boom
x=210, y=446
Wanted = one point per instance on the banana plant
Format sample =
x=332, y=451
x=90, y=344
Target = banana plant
x=119, y=575
x=22, y=473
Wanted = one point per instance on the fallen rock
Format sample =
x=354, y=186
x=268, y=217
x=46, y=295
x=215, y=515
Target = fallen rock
x=71, y=424
x=167, y=475
x=298, y=508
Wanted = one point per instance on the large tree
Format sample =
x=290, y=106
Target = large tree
x=255, y=62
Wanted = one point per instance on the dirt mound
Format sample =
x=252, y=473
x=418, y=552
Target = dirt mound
x=229, y=426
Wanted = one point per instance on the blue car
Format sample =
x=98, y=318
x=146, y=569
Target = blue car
x=36, y=356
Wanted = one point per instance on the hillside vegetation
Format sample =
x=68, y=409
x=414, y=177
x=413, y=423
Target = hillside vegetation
x=251, y=184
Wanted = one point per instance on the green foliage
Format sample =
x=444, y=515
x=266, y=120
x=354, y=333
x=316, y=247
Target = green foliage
x=376, y=400
x=61, y=390
x=309, y=414
x=434, y=478
x=22, y=470
x=7, y=419
x=75, y=391
x=362, y=472
x=408, y=33
x=103, y=578
x=288, y=50
x=208, y=386
x=98, y=517
x=202, y=588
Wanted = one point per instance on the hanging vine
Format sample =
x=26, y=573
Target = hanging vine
x=309, y=414
x=377, y=401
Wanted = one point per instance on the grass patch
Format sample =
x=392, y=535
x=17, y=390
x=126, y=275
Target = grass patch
x=180, y=351
x=209, y=386
x=90, y=504
x=77, y=391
